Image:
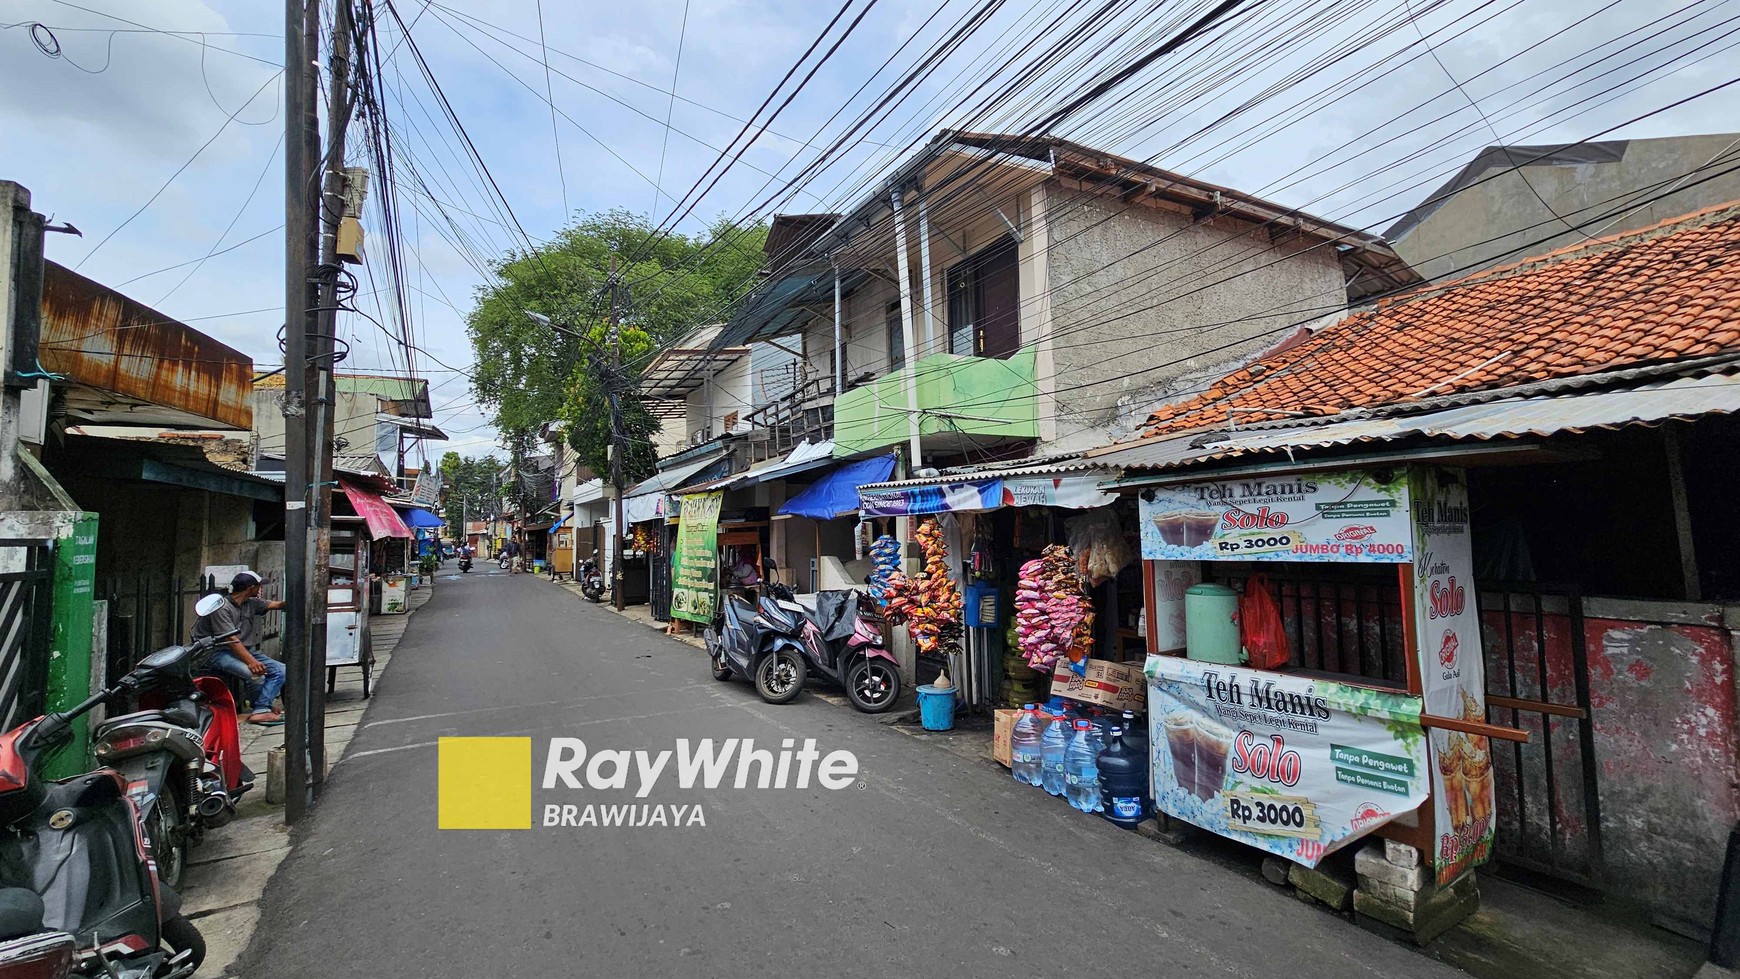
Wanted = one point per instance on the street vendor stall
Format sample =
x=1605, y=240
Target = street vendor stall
x=371, y=522
x=1315, y=670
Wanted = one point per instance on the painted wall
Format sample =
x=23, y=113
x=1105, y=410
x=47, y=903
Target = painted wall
x=729, y=393
x=1131, y=308
x=1506, y=215
x=1667, y=744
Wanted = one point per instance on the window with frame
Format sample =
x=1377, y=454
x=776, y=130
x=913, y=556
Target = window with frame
x=984, y=301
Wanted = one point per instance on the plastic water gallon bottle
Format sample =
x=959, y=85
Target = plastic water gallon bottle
x=1124, y=783
x=1051, y=751
x=1136, y=739
x=1082, y=768
x=1024, y=760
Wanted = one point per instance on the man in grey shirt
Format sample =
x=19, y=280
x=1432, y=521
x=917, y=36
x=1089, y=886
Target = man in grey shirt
x=240, y=655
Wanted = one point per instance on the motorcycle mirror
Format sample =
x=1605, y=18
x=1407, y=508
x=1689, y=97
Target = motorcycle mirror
x=209, y=604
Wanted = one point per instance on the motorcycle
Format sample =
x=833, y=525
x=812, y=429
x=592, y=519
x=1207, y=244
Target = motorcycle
x=465, y=564
x=181, y=754
x=842, y=640
x=74, y=858
x=591, y=579
x=503, y=561
x=760, y=643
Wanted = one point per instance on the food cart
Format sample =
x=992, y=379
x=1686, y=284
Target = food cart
x=348, y=640
x=1370, y=716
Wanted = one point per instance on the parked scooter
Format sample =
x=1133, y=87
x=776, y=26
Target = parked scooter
x=760, y=643
x=857, y=658
x=591, y=582
x=76, y=847
x=181, y=754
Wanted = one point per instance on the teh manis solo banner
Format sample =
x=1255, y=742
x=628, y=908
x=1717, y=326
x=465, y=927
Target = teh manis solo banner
x=1294, y=765
x=1323, y=516
x=1452, y=670
x=695, y=565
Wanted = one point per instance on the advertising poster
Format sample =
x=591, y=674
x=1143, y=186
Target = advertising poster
x=1327, y=516
x=695, y=565
x=1452, y=670
x=1294, y=765
x=984, y=494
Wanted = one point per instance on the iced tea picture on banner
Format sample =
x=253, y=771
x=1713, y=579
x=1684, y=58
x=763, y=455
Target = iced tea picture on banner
x=1320, y=516
x=1452, y=670
x=1298, y=766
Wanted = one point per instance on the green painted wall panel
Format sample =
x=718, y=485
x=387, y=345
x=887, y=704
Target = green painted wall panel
x=965, y=395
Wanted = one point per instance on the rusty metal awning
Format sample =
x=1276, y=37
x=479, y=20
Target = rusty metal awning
x=127, y=364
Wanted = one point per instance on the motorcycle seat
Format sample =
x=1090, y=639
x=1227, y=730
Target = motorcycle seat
x=181, y=713
x=21, y=912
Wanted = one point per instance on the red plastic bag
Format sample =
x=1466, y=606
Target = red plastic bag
x=1260, y=627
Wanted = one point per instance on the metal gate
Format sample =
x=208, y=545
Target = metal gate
x=146, y=613
x=664, y=542
x=1537, y=679
x=26, y=628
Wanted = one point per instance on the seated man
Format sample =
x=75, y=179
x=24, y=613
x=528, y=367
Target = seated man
x=241, y=610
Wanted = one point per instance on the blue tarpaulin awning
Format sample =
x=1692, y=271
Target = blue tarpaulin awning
x=836, y=494
x=419, y=517
x=558, y=524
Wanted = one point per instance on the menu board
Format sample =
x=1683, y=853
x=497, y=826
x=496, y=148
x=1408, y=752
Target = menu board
x=695, y=565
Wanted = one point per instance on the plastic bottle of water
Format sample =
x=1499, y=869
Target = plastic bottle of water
x=1051, y=751
x=1024, y=761
x=1082, y=768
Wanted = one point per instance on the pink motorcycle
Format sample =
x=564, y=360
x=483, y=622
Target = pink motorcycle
x=843, y=640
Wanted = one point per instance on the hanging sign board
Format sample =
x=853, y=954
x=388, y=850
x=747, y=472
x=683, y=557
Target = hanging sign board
x=1452, y=670
x=1321, y=516
x=1298, y=766
x=695, y=565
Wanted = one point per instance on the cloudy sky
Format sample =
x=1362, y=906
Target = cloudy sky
x=154, y=125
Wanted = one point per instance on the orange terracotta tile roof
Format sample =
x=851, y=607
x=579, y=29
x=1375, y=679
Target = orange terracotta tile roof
x=1663, y=293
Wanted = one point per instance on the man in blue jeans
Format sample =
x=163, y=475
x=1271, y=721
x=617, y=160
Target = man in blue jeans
x=240, y=613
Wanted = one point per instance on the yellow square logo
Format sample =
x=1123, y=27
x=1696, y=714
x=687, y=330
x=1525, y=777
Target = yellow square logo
x=484, y=783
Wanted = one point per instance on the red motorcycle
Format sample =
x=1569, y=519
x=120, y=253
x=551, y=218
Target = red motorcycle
x=74, y=860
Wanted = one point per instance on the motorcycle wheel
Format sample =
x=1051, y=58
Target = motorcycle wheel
x=780, y=677
x=181, y=934
x=168, y=849
x=872, y=685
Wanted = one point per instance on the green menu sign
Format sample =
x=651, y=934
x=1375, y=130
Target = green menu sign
x=695, y=565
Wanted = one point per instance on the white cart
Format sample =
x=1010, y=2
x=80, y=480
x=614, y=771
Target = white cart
x=348, y=642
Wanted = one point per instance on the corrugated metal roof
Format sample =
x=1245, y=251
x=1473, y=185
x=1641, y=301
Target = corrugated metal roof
x=672, y=478
x=1061, y=465
x=1541, y=415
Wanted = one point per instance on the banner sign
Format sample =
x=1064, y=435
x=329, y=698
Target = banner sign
x=1326, y=516
x=1452, y=670
x=427, y=490
x=1077, y=492
x=695, y=565
x=1295, y=765
x=982, y=494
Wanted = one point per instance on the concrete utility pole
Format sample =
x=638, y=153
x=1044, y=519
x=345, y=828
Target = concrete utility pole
x=616, y=440
x=322, y=379
x=301, y=153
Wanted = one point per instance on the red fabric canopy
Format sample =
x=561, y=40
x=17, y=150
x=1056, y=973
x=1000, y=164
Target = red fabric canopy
x=382, y=519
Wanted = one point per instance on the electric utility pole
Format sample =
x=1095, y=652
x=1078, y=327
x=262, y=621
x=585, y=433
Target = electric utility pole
x=301, y=156
x=322, y=370
x=616, y=440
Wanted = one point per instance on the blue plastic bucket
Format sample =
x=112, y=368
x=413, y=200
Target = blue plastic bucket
x=936, y=708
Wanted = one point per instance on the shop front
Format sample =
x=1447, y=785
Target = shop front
x=1315, y=672
x=988, y=534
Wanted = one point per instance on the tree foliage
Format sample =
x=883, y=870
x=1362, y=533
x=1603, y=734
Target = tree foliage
x=470, y=488
x=528, y=374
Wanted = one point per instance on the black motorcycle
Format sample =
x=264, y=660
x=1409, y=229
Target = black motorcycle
x=74, y=859
x=591, y=579
x=761, y=643
x=464, y=564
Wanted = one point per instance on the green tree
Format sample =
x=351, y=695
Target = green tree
x=469, y=487
x=528, y=374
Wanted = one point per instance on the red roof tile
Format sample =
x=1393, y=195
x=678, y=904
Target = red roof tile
x=1666, y=292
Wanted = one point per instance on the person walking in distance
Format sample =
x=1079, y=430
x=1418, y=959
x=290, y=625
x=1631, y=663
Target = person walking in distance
x=513, y=554
x=241, y=657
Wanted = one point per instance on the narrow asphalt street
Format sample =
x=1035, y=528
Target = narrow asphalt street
x=934, y=864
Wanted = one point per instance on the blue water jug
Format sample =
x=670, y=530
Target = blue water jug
x=1024, y=755
x=1051, y=752
x=1123, y=783
x=1082, y=768
x=1136, y=739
